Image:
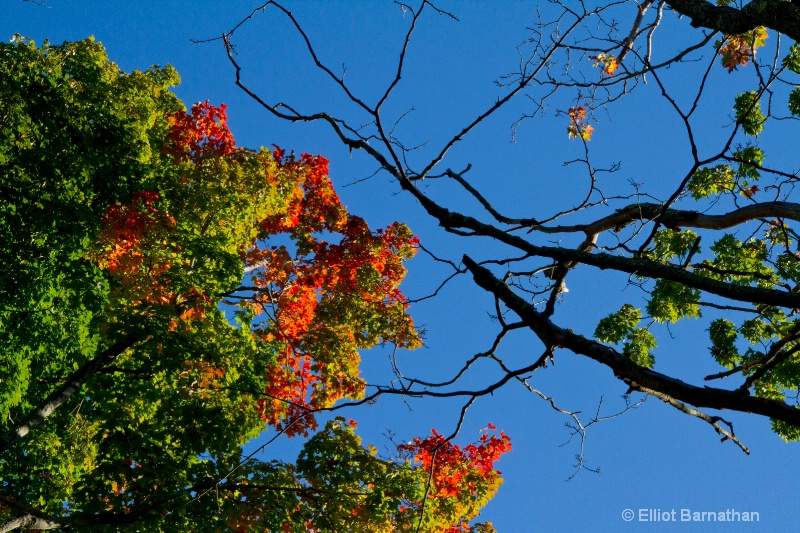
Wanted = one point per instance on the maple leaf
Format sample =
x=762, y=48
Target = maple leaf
x=608, y=62
x=577, y=127
x=738, y=50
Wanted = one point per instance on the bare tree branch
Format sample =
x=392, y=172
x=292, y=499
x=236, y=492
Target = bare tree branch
x=623, y=367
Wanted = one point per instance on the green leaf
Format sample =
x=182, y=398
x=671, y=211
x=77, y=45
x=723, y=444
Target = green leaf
x=669, y=244
x=787, y=432
x=753, y=158
x=621, y=327
x=792, y=59
x=794, y=101
x=670, y=302
x=617, y=326
x=639, y=346
x=723, y=342
x=710, y=181
x=740, y=263
x=748, y=113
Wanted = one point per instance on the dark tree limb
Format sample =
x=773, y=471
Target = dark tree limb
x=628, y=371
x=677, y=218
x=779, y=15
x=631, y=265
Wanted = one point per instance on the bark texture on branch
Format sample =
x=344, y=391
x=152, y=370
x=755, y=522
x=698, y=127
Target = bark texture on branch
x=779, y=15
x=28, y=522
x=52, y=402
x=677, y=218
x=630, y=265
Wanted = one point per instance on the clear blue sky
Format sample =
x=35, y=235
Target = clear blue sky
x=653, y=457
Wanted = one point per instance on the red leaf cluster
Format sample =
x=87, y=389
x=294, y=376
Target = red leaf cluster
x=454, y=468
x=577, y=125
x=607, y=61
x=320, y=294
x=202, y=133
x=128, y=234
x=124, y=227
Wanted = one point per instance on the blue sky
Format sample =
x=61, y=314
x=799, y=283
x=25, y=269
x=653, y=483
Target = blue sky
x=652, y=457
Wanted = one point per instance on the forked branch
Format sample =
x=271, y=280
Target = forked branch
x=624, y=368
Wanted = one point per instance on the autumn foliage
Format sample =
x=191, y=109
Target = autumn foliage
x=406, y=494
x=608, y=63
x=737, y=50
x=323, y=287
x=202, y=132
x=577, y=124
x=462, y=480
x=189, y=294
x=315, y=301
x=324, y=300
x=453, y=466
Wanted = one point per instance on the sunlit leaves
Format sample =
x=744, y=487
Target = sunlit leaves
x=710, y=181
x=723, y=342
x=794, y=101
x=792, y=59
x=134, y=245
x=326, y=300
x=787, y=263
x=132, y=218
x=622, y=327
x=357, y=489
x=669, y=244
x=792, y=62
x=738, y=50
x=66, y=110
x=750, y=159
x=203, y=132
x=578, y=128
x=670, y=302
x=771, y=333
x=788, y=432
x=12, y=390
x=340, y=485
x=462, y=479
x=748, y=113
x=639, y=345
x=615, y=327
x=607, y=62
x=740, y=263
x=757, y=330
